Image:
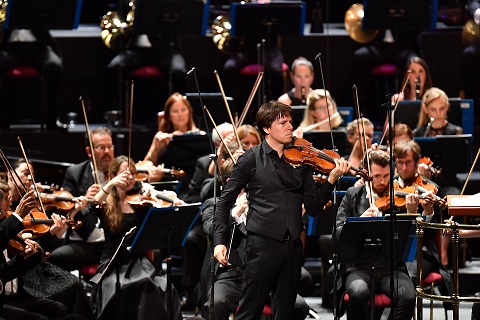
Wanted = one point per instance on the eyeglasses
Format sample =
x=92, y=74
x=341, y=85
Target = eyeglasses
x=103, y=148
x=407, y=163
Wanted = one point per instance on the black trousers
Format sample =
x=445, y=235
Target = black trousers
x=274, y=266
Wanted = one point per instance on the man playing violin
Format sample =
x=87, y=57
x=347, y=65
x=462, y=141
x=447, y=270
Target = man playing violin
x=18, y=303
x=407, y=155
x=358, y=203
x=276, y=192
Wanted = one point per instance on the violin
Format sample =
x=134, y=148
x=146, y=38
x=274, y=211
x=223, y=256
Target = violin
x=17, y=245
x=150, y=197
x=427, y=161
x=300, y=151
x=383, y=203
x=143, y=166
x=61, y=200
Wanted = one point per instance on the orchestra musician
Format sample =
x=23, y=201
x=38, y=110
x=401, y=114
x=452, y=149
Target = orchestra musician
x=419, y=80
x=177, y=119
x=302, y=76
x=274, y=253
x=83, y=246
x=357, y=276
x=356, y=140
x=228, y=279
x=433, y=116
x=143, y=292
x=407, y=155
x=316, y=112
x=20, y=303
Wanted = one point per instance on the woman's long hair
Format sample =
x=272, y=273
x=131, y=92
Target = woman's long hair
x=113, y=212
x=166, y=124
x=428, y=78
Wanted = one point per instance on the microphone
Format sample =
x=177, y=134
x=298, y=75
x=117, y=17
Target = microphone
x=417, y=88
x=429, y=125
x=190, y=71
x=317, y=56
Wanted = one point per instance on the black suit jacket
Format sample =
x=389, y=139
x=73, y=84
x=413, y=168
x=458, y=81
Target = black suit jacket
x=78, y=178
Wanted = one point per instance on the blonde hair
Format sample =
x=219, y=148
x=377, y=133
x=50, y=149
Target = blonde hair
x=312, y=98
x=246, y=129
x=352, y=126
x=428, y=97
x=113, y=212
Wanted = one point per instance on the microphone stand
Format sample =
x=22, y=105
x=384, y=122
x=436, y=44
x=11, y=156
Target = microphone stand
x=214, y=158
x=334, y=202
x=393, y=213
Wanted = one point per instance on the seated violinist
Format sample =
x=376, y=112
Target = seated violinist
x=407, y=155
x=356, y=277
x=356, y=141
x=84, y=245
x=316, y=114
x=433, y=116
x=143, y=293
x=18, y=303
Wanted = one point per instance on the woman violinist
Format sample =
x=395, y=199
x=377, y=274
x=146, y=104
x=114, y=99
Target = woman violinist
x=141, y=292
x=177, y=119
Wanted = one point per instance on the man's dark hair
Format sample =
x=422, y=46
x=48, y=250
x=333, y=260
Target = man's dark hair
x=100, y=131
x=271, y=111
x=379, y=158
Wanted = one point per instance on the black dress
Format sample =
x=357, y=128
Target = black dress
x=143, y=289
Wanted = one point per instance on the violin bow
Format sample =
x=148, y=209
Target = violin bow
x=130, y=118
x=228, y=109
x=14, y=174
x=364, y=146
x=33, y=179
x=96, y=178
x=318, y=56
x=397, y=100
x=219, y=135
x=250, y=98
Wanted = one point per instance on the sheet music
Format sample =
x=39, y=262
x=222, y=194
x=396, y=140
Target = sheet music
x=471, y=201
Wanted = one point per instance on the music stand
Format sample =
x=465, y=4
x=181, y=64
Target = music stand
x=215, y=104
x=409, y=14
x=50, y=14
x=368, y=240
x=165, y=228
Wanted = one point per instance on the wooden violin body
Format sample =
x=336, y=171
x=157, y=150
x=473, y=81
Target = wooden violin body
x=300, y=152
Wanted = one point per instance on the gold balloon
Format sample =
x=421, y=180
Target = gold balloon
x=353, y=25
x=470, y=33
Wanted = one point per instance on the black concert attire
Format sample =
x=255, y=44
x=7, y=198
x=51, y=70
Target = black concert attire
x=228, y=280
x=356, y=277
x=143, y=290
x=40, y=52
x=83, y=246
x=431, y=260
x=448, y=129
x=20, y=299
x=199, y=176
x=273, y=261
